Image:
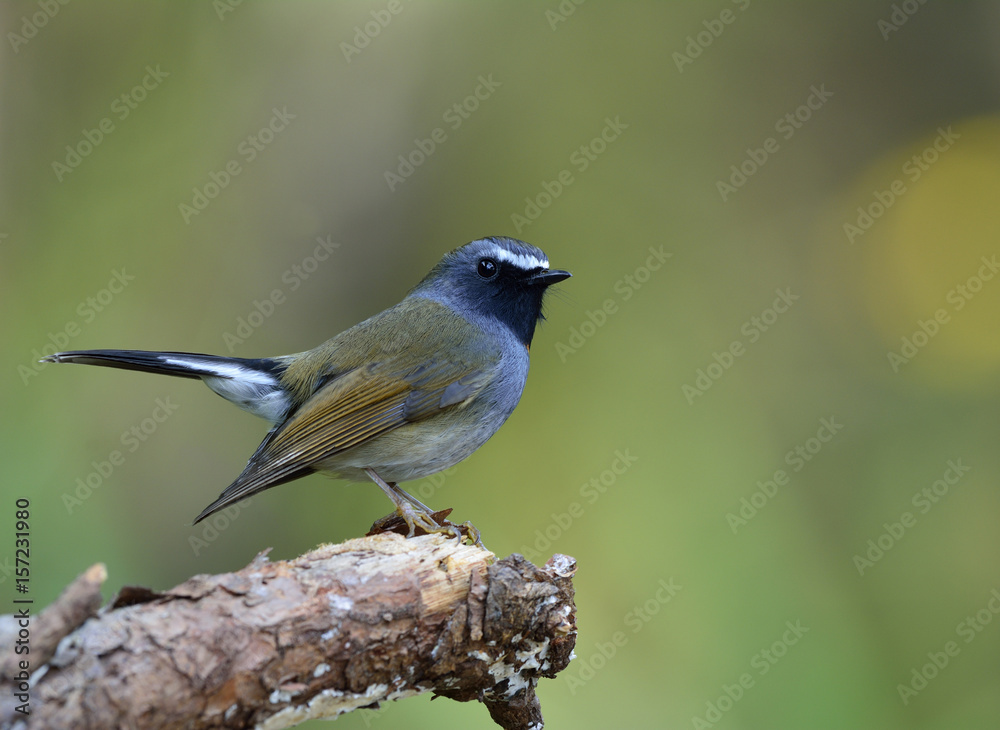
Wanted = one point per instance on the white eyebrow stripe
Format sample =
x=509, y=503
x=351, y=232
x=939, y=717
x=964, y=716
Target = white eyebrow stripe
x=524, y=261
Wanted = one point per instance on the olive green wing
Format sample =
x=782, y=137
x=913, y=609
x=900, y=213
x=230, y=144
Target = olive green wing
x=349, y=410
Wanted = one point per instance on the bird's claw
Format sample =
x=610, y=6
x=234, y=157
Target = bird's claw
x=409, y=521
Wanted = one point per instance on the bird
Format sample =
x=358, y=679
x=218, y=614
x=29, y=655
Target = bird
x=407, y=393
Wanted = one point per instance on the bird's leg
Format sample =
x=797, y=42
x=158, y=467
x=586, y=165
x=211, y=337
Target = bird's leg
x=409, y=497
x=470, y=530
x=413, y=512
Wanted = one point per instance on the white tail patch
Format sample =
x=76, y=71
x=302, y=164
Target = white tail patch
x=223, y=370
x=264, y=401
x=252, y=390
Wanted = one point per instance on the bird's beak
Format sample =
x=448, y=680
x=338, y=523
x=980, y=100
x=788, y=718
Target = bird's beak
x=547, y=277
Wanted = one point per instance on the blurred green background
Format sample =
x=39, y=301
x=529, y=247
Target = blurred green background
x=728, y=435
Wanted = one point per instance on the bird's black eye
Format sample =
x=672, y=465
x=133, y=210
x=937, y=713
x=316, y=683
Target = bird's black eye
x=488, y=268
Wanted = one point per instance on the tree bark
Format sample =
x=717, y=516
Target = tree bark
x=340, y=628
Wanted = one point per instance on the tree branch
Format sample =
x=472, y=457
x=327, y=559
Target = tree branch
x=339, y=628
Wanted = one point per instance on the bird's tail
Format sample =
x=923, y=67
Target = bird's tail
x=180, y=364
x=253, y=385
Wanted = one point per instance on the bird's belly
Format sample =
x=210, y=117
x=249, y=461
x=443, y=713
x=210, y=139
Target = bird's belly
x=413, y=451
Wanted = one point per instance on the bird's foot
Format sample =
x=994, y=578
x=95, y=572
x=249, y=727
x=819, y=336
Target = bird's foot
x=415, y=517
x=409, y=522
x=470, y=532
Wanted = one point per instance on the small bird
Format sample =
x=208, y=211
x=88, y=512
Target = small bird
x=407, y=393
